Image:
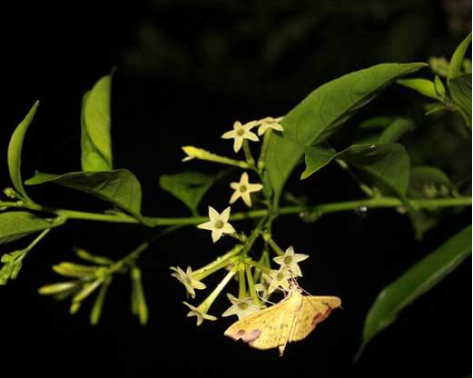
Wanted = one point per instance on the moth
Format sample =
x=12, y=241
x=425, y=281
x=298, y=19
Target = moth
x=292, y=319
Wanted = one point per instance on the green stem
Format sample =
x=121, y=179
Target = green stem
x=37, y=240
x=381, y=202
x=248, y=155
x=264, y=147
x=241, y=281
x=217, y=264
x=259, y=266
x=205, y=305
x=276, y=248
x=251, y=285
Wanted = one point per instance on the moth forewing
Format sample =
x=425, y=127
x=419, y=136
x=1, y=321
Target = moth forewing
x=292, y=319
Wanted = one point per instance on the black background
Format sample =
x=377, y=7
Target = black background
x=185, y=71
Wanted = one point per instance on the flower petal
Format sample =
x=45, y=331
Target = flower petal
x=225, y=214
x=235, y=196
x=213, y=214
x=229, y=135
x=237, y=144
x=251, y=136
x=206, y=226
x=228, y=229
x=247, y=198
x=216, y=234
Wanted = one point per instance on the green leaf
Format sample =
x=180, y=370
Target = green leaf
x=14, y=151
x=460, y=90
x=120, y=187
x=325, y=109
x=15, y=225
x=189, y=187
x=427, y=182
x=423, y=86
x=387, y=164
x=414, y=282
x=395, y=131
x=95, y=126
x=458, y=56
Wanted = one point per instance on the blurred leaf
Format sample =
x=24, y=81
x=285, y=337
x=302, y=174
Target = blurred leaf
x=423, y=86
x=414, y=282
x=99, y=301
x=395, y=131
x=189, y=187
x=387, y=164
x=380, y=122
x=119, y=187
x=95, y=125
x=15, y=225
x=138, y=299
x=326, y=108
x=427, y=182
x=458, y=56
x=14, y=151
x=460, y=90
x=281, y=157
x=439, y=87
x=423, y=177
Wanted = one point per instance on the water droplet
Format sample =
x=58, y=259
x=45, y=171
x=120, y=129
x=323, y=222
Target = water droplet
x=361, y=211
x=309, y=216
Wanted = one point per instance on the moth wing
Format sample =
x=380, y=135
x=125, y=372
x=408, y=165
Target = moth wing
x=314, y=310
x=262, y=330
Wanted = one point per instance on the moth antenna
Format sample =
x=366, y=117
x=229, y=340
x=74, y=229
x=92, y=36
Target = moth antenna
x=264, y=300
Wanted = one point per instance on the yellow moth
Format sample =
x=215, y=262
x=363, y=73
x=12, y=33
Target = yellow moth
x=292, y=319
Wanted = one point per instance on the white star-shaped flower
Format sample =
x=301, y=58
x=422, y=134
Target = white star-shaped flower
x=218, y=223
x=241, y=132
x=269, y=123
x=290, y=260
x=279, y=278
x=188, y=280
x=241, y=307
x=243, y=189
x=201, y=315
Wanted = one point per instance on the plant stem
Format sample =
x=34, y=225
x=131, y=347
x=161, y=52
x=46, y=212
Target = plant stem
x=327, y=208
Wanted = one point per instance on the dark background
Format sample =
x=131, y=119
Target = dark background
x=185, y=71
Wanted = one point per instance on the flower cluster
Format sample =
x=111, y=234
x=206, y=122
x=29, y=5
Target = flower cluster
x=257, y=280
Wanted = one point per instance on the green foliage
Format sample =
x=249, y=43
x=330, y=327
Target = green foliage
x=95, y=126
x=428, y=182
x=423, y=86
x=460, y=90
x=15, y=225
x=14, y=151
x=120, y=187
x=189, y=187
x=323, y=111
x=456, y=63
x=12, y=263
x=386, y=164
x=424, y=275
